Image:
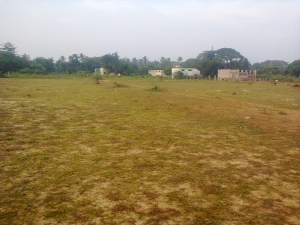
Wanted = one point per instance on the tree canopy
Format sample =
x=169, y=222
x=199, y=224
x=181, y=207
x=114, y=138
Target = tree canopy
x=294, y=68
x=224, y=58
x=8, y=47
x=208, y=62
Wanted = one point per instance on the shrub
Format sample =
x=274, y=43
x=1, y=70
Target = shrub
x=26, y=70
x=83, y=73
x=38, y=71
x=97, y=77
x=155, y=88
x=179, y=75
x=282, y=113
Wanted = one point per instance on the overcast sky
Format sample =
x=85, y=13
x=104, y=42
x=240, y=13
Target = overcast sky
x=260, y=30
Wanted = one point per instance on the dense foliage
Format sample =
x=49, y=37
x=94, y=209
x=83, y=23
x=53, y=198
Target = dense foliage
x=208, y=62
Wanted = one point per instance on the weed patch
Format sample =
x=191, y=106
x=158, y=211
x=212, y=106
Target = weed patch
x=119, y=85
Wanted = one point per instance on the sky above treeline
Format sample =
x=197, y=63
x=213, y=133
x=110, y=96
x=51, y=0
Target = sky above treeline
x=259, y=30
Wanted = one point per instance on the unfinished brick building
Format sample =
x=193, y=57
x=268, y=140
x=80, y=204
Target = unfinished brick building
x=228, y=74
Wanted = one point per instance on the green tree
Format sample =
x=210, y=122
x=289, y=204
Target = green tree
x=232, y=59
x=81, y=57
x=26, y=70
x=125, y=66
x=179, y=59
x=207, y=55
x=161, y=59
x=179, y=75
x=91, y=63
x=273, y=67
x=128, y=67
x=156, y=65
x=10, y=62
x=255, y=66
x=145, y=60
x=26, y=60
x=37, y=68
x=244, y=64
x=61, y=65
x=211, y=61
x=168, y=70
x=73, y=64
x=111, y=62
x=279, y=63
x=294, y=68
x=62, y=58
x=268, y=69
x=165, y=63
x=191, y=63
x=43, y=65
x=26, y=57
x=134, y=60
x=8, y=47
x=143, y=70
x=210, y=67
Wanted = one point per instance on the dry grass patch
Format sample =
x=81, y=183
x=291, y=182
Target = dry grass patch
x=73, y=152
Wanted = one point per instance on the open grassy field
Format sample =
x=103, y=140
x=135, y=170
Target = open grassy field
x=144, y=151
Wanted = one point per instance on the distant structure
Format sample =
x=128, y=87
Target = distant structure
x=188, y=72
x=102, y=71
x=155, y=73
x=228, y=74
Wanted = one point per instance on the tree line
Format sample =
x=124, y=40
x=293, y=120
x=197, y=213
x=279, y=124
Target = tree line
x=208, y=62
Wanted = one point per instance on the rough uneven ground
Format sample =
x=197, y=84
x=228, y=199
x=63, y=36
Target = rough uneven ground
x=140, y=151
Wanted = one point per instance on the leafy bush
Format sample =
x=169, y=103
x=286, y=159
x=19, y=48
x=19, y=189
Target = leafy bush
x=168, y=71
x=97, y=77
x=277, y=77
x=83, y=73
x=38, y=71
x=155, y=88
x=26, y=70
x=179, y=75
x=282, y=113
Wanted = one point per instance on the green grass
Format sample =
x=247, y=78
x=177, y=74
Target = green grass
x=125, y=152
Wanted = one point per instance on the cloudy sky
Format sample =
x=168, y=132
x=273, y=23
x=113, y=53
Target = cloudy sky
x=259, y=29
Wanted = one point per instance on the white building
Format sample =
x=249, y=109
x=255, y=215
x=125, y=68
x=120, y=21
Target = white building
x=156, y=72
x=103, y=71
x=190, y=72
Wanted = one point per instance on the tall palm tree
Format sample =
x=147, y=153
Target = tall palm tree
x=145, y=60
x=25, y=56
x=62, y=58
x=81, y=57
x=179, y=59
x=134, y=60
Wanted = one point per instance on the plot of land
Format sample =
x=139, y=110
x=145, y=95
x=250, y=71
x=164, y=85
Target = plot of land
x=144, y=151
